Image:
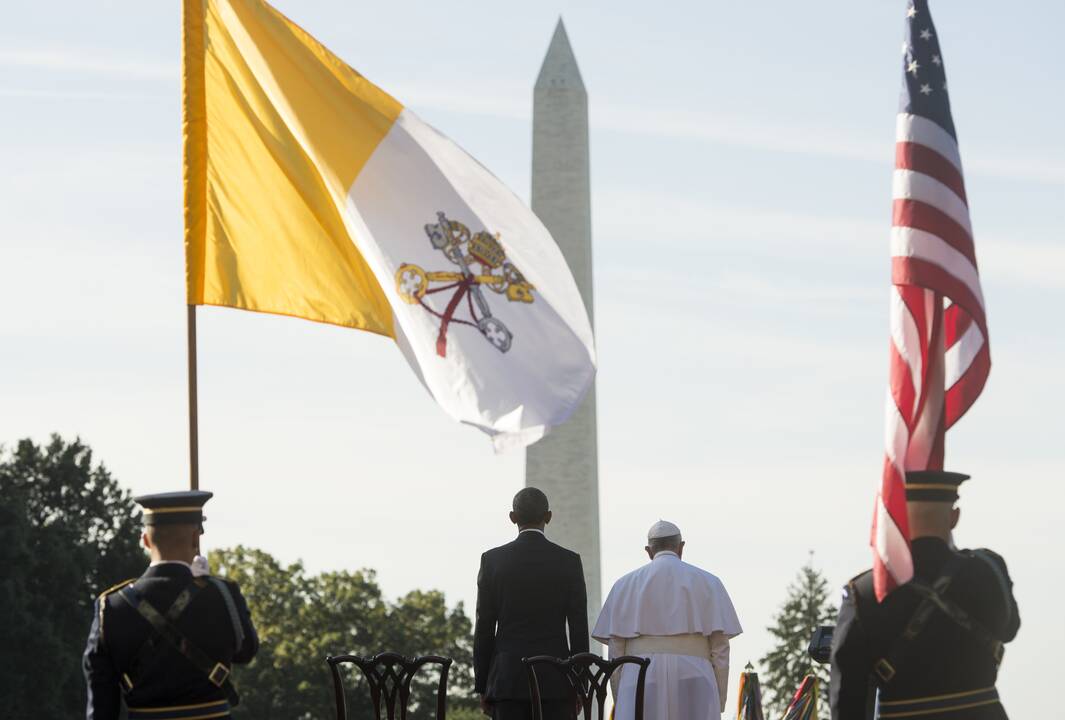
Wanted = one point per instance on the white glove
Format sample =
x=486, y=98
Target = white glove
x=199, y=566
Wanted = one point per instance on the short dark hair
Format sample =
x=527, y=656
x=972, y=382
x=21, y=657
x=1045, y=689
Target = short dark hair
x=664, y=543
x=530, y=506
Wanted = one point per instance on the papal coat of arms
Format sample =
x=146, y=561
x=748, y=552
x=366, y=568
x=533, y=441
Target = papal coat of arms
x=481, y=263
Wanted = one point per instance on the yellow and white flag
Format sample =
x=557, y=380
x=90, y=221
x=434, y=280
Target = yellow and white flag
x=313, y=193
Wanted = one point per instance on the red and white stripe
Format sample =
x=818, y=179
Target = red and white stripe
x=939, y=351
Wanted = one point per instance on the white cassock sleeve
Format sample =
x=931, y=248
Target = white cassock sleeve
x=615, y=649
x=719, y=652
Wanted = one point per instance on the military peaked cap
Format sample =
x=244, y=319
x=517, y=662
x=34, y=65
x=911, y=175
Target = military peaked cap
x=933, y=485
x=174, y=508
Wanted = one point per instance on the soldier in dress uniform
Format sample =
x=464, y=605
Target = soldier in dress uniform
x=165, y=642
x=931, y=650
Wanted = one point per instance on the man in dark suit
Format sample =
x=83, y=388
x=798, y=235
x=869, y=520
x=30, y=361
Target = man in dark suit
x=932, y=648
x=166, y=641
x=528, y=591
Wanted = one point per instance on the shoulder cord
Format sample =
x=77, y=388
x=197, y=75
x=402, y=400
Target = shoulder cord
x=231, y=606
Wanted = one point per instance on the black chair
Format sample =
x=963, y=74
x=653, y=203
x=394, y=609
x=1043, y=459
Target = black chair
x=589, y=676
x=389, y=676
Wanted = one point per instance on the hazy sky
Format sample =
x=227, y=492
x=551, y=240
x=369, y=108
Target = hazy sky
x=741, y=179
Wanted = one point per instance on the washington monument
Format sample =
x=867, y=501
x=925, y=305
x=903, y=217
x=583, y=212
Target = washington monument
x=565, y=464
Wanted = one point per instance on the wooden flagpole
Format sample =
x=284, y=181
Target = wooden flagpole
x=194, y=430
x=194, y=174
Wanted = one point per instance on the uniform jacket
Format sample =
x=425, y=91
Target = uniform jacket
x=945, y=659
x=528, y=591
x=169, y=678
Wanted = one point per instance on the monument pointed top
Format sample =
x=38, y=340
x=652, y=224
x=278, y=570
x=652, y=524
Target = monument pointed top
x=559, y=68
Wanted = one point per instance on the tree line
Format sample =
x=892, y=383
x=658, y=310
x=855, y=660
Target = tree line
x=69, y=530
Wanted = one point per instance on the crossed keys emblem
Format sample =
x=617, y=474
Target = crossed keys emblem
x=467, y=252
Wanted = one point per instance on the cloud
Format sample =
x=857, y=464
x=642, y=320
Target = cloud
x=1036, y=265
x=668, y=215
x=690, y=223
x=498, y=102
x=37, y=94
x=723, y=128
x=1049, y=171
x=505, y=101
x=727, y=129
x=88, y=61
x=790, y=137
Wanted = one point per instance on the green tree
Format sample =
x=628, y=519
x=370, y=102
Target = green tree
x=806, y=607
x=67, y=532
x=301, y=619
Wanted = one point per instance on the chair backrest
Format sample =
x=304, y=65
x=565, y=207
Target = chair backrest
x=389, y=676
x=589, y=676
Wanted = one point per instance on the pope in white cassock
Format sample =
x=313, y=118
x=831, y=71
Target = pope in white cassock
x=679, y=616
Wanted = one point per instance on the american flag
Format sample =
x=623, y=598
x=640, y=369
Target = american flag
x=940, y=357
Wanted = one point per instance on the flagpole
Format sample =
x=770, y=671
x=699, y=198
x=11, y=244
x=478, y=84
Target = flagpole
x=194, y=420
x=194, y=175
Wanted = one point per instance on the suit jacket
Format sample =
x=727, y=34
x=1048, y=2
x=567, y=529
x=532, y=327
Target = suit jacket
x=118, y=632
x=945, y=658
x=528, y=591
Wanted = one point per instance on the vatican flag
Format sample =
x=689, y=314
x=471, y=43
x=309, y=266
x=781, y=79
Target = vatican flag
x=311, y=192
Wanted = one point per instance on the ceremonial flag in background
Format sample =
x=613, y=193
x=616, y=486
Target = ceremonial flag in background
x=750, y=696
x=804, y=703
x=940, y=357
x=311, y=192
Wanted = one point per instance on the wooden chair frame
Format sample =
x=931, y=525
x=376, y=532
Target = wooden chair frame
x=589, y=676
x=389, y=676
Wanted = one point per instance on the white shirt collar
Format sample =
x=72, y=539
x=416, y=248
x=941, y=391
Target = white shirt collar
x=532, y=530
x=664, y=553
x=169, y=562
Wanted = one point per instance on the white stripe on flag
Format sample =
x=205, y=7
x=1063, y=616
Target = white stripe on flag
x=960, y=355
x=910, y=185
x=925, y=432
x=916, y=129
x=895, y=434
x=891, y=546
x=909, y=242
x=906, y=339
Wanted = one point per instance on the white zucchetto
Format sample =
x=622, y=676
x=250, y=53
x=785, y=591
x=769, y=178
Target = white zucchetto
x=662, y=529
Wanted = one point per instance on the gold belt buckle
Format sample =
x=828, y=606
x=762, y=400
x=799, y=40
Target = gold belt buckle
x=218, y=675
x=884, y=669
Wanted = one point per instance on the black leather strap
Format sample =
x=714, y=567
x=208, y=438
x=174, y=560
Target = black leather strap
x=933, y=599
x=885, y=669
x=148, y=652
x=181, y=602
x=964, y=620
x=165, y=629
